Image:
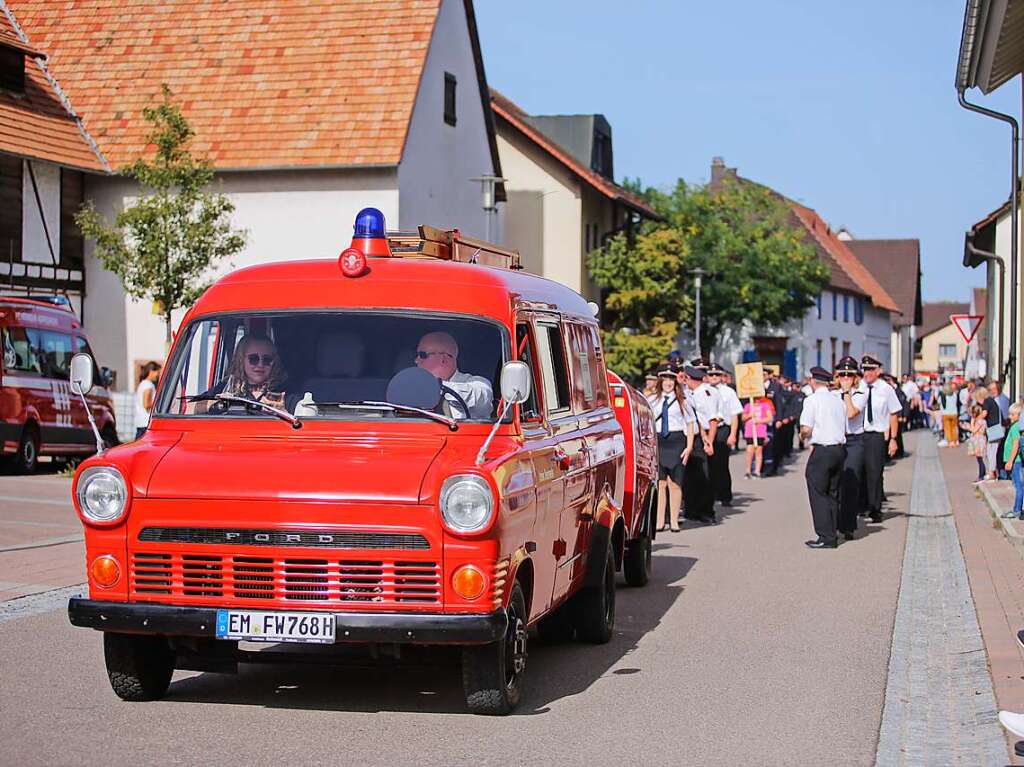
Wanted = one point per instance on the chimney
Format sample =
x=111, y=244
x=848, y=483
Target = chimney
x=844, y=234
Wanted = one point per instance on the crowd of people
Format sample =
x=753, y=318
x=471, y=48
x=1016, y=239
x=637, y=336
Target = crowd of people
x=700, y=421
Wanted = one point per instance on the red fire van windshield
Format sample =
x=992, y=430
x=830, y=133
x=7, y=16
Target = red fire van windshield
x=330, y=362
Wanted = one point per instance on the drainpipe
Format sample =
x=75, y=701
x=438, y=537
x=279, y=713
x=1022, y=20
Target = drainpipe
x=1014, y=214
x=1001, y=266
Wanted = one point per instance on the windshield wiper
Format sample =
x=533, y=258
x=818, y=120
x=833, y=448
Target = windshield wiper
x=284, y=415
x=451, y=423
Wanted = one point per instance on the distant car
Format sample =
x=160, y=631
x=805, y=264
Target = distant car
x=38, y=413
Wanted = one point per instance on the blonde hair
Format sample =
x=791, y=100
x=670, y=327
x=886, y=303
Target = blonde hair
x=1015, y=408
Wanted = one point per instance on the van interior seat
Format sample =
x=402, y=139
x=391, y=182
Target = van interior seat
x=340, y=364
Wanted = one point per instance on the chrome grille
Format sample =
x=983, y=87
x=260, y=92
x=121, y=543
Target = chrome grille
x=317, y=539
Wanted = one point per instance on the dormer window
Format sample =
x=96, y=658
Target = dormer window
x=601, y=157
x=12, y=70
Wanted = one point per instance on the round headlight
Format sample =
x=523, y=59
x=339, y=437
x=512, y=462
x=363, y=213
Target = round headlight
x=467, y=503
x=102, y=494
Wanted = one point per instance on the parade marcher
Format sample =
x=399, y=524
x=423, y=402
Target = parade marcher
x=699, y=503
x=903, y=417
x=650, y=385
x=794, y=405
x=851, y=504
x=675, y=424
x=881, y=413
x=773, y=450
x=725, y=437
x=823, y=424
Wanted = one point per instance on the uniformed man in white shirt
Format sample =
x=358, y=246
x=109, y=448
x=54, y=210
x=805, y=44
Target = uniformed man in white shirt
x=881, y=421
x=851, y=503
x=823, y=425
x=438, y=353
x=730, y=410
x=699, y=501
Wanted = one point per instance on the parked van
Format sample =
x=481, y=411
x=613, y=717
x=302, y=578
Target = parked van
x=412, y=445
x=38, y=415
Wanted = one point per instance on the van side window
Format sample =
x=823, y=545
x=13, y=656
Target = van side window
x=18, y=352
x=53, y=351
x=551, y=351
x=583, y=371
x=529, y=410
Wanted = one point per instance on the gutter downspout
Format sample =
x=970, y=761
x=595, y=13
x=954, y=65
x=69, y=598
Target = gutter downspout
x=1014, y=215
x=993, y=258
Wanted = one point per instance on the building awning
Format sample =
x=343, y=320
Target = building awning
x=992, y=45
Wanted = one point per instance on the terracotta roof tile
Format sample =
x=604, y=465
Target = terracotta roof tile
x=279, y=83
x=36, y=124
x=935, y=315
x=896, y=264
x=513, y=115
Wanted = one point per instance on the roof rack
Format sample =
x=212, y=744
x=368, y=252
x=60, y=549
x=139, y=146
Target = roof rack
x=451, y=245
x=60, y=302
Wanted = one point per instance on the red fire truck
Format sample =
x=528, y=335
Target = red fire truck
x=413, y=445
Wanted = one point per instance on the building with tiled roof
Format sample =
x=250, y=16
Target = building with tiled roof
x=309, y=110
x=563, y=199
x=941, y=348
x=987, y=244
x=854, y=315
x=896, y=264
x=44, y=154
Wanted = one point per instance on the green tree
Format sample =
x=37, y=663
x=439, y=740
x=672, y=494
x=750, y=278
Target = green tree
x=760, y=270
x=164, y=244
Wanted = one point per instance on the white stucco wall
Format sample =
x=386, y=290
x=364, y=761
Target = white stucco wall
x=440, y=159
x=528, y=169
x=288, y=215
x=35, y=249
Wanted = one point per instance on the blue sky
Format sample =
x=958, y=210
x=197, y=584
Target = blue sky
x=848, y=107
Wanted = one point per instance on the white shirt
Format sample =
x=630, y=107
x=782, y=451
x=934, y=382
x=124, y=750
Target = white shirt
x=855, y=425
x=884, y=403
x=141, y=414
x=706, y=404
x=910, y=389
x=807, y=390
x=825, y=415
x=477, y=393
x=679, y=414
x=730, y=403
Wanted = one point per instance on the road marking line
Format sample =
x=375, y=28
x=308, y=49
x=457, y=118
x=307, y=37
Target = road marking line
x=30, y=523
x=44, y=501
x=41, y=544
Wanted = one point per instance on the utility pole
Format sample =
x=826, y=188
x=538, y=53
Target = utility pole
x=698, y=274
x=488, y=198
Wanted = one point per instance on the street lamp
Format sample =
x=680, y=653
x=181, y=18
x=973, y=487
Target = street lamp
x=697, y=273
x=488, y=197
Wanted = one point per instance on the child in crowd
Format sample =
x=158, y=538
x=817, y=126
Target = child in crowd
x=1012, y=460
x=756, y=417
x=977, y=444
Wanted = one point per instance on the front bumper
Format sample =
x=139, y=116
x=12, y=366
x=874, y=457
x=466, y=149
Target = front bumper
x=401, y=628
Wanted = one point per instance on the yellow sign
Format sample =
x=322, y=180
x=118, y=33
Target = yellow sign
x=750, y=380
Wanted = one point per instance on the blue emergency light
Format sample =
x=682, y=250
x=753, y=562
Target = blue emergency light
x=369, y=224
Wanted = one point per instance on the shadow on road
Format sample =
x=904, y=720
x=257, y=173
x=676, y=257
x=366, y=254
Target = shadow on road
x=429, y=679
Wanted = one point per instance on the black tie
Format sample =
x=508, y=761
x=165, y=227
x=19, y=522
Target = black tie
x=871, y=416
x=664, y=417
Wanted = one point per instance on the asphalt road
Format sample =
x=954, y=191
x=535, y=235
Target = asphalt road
x=746, y=648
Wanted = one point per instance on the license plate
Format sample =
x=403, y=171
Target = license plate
x=257, y=626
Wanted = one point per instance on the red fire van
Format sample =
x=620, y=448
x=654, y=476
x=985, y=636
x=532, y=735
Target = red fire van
x=640, y=499
x=38, y=414
x=413, y=445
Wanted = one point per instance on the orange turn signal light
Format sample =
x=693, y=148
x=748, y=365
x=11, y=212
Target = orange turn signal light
x=105, y=571
x=468, y=582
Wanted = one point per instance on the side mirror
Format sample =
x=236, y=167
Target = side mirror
x=515, y=382
x=81, y=374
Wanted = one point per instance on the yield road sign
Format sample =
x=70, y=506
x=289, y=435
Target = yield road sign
x=967, y=324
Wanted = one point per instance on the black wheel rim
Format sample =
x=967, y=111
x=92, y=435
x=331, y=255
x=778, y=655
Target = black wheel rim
x=28, y=452
x=515, y=649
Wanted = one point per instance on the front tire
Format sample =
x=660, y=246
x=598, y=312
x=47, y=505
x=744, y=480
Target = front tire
x=492, y=674
x=139, y=667
x=27, y=459
x=638, y=561
x=595, y=607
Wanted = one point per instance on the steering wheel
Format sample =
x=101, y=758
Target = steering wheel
x=458, y=398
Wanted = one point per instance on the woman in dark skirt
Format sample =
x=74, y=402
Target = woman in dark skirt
x=674, y=423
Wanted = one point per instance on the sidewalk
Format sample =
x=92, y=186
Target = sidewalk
x=995, y=569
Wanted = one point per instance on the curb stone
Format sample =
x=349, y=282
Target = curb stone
x=996, y=512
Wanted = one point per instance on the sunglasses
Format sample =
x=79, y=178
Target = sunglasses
x=254, y=359
x=846, y=375
x=428, y=355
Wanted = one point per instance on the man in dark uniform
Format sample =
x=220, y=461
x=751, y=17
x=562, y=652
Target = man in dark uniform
x=699, y=496
x=881, y=414
x=791, y=415
x=774, y=449
x=823, y=424
x=851, y=504
x=725, y=437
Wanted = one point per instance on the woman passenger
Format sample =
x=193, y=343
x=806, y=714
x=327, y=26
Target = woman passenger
x=255, y=372
x=674, y=422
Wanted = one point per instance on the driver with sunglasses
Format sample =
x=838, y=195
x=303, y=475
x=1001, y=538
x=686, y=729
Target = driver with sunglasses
x=438, y=354
x=851, y=502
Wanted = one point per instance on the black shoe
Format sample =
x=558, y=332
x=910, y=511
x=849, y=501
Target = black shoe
x=848, y=536
x=676, y=529
x=1018, y=748
x=727, y=504
x=820, y=544
x=1020, y=637
x=709, y=520
x=875, y=516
